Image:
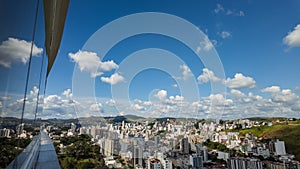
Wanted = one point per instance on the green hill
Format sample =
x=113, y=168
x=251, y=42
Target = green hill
x=289, y=133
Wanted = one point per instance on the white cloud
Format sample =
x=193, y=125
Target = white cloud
x=110, y=102
x=96, y=107
x=58, y=102
x=296, y=107
x=285, y=96
x=145, y=103
x=236, y=93
x=113, y=79
x=219, y=99
x=254, y=97
x=174, y=85
x=67, y=93
x=90, y=62
x=285, y=103
x=55, y=99
x=225, y=34
x=175, y=102
x=4, y=98
x=240, y=105
x=207, y=76
x=161, y=95
x=186, y=71
x=219, y=8
x=15, y=50
x=53, y=106
x=216, y=102
x=59, y=106
x=176, y=98
x=272, y=89
x=34, y=91
x=205, y=45
x=293, y=38
x=138, y=107
x=240, y=81
x=196, y=104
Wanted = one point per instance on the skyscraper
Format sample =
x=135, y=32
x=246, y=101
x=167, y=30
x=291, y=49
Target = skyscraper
x=185, y=147
x=109, y=147
x=279, y=147
x=196, y=161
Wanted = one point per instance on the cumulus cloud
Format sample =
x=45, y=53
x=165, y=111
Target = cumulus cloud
x=225, y=34
x=236, y=93
x=55, y=99
x=176, y=98
x=96, y=107
x=186, y=71
x=91, y=63
x=271, y=89
x=207, y=76
x=161, y=95
x=34, y=91
x=53, y=106
x=219, y=100
x=205, y=45
x=147, y=103
x=15, y=50
x=254, y=97
x=138, y=107
x=293, y=37
x=61, y=104
x=285, y=96
x=113, y=79
x=240, y=81
x=67, y=93
x=239, y=105
x=175, y=101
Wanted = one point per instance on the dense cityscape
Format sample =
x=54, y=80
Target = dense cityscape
x=135, y=142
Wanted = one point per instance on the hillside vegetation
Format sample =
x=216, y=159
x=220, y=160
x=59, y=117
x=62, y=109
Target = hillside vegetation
x=289, y=133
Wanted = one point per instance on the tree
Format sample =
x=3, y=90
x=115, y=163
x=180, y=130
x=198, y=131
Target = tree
x=68, y=162
x=222, y=147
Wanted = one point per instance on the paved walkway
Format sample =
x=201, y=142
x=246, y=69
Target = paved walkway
x=47, y=157
x=39, y=154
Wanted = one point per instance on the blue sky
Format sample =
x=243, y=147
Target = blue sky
x=257, y=43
